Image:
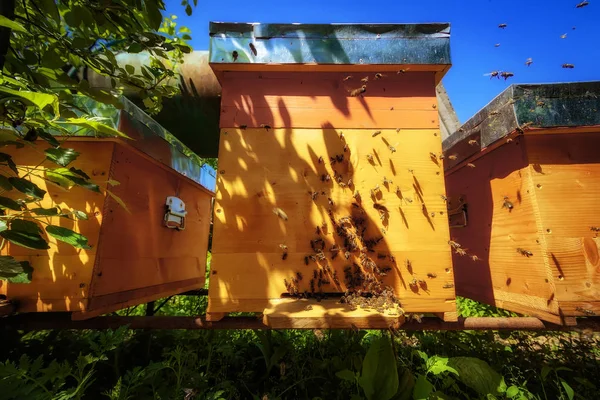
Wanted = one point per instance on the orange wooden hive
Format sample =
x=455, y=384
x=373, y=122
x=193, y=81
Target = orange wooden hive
x=524, y=189
x=134, y=257
x=311, y=115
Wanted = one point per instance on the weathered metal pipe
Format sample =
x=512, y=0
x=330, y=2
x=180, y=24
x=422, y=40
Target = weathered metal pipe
x=40, y=321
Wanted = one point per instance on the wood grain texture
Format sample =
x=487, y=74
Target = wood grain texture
x=502, y=276
x=260, y=170
x=62, y=274
x=306, y=100
x=137, y=250
x=327, y=314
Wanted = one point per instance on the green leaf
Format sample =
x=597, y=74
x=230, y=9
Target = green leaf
x=27, y=187
x=80, y=214
x=79, y=172
x=135, y=48
x=49, y=138
x=67, y=177
x=118, y=200
x=52, y=59
x=512, y=391
x=478, y=375
x=379, y=378
x=436, y=365
x=130, y=69
x=41, y=100
x=406, y=384
x=5, y=202
x=101, y=129
x=46, y=212
x=68, y=236
x=3, y=225
x=5, y=183
x=61, y=156
x=568, y=389
x=346, y=375
x=153, y=13
x=545, y=371
x=10, y=24
x=49, y=7
x=188, y=10
x=7, y=158
x=25, y=239
x=25, y=225
x=15, y=271
x=423, y=388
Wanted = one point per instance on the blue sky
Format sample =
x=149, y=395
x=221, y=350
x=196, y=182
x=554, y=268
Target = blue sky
x=534, y=30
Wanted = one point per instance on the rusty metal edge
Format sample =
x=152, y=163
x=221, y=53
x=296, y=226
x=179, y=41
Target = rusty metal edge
x=62, y=320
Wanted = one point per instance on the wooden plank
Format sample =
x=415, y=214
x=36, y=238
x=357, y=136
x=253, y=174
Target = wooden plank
x=502, y=275
x=261, y=170
x=327, y=314
x=137, y=250
x=62, y=274
x=305, y=100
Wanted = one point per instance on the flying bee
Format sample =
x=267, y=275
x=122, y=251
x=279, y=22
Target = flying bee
x=506, y=75
x=563, y=36
x=473, y=142
x=359, y=91
x=529, y=61
x=280, y=213
x=453, y=157
x=284, y=256
x=497, y=45
x=370, y=158
x=475, y=258
x=502, y=26
x=471, y=165
x=265, y=126
x=347, y=78
x=378, y=76
x=507, y=204
x=595, y=229
x=582, y=4
x=283, y=247
x=431, y=275
x=376, y=133
x=568, y=66
x=454, y=244
x=524, y=252
x=365, y=79
x=494, y=74
x=460, y=252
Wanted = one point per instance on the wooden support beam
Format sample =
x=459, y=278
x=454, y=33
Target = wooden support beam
x=39, y=321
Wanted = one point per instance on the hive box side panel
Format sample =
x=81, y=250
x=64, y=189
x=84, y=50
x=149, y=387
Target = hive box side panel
x=315, y=100
x=136, y=250
x=260, y=170
x=61, y=275
x=566, y=176
x=502, y=276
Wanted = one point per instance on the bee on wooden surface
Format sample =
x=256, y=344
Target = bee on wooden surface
x=492, y=113
x=315, y=274
x=243, y=127
x=433, y=156
x=294, y=280
x=454, y=244
x=330, y=201
x=475, y=258
x=339, y=158
x=529, y=61
x=283, y=247
x=595, y=229
x=408, y=199
x=280, y=213
x=452, y=156
x=350, y=182
x=397, y=130
x=284, y=256
x=380, y=207
x=376, y=133
x=473, y=142
x=313, y=258
x=502, y=26
x=507, y=204
x=342, y=185
x=356, y=195
x=286, y=283
x=413, y=284
x=318, y=230
x=402, y=71
x=582, y=4
x=461, y=252
x=347, y=78
x=359, y=91
x=411, y=171
x=312, y=286
x=347, y=255
x=444, y=197
x=365, y=79
x=431, y=275
x=346, y=148
x=422, y=284
x=299, y=276
x=408, y=264
x=568, y=66
x=586, y=312
x=325, y=178
x=314, y=195
x=392, y=148
x=336, y=280
x=308, y=308
x=387, y=181
x=370, y=158
x=470, y=165
x=320, y=160
x=305, y=260
x=448, y=286
x=524, y=252
x=376, y=189
x=265, y=126
x=378, y=76
x=506, y=75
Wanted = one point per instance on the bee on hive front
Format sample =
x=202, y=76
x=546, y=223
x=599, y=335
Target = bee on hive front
x=360, y=90
x=507, y=204
x=280, y=213
x=524, y=252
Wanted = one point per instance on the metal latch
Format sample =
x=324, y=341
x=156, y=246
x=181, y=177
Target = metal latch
x=457, y=217
x=175, y=213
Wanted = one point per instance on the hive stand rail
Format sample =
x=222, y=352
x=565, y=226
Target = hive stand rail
x=62, y=320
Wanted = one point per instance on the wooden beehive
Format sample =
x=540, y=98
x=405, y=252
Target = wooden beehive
x=134, y=258
x=294, y=138
x=535, y=186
